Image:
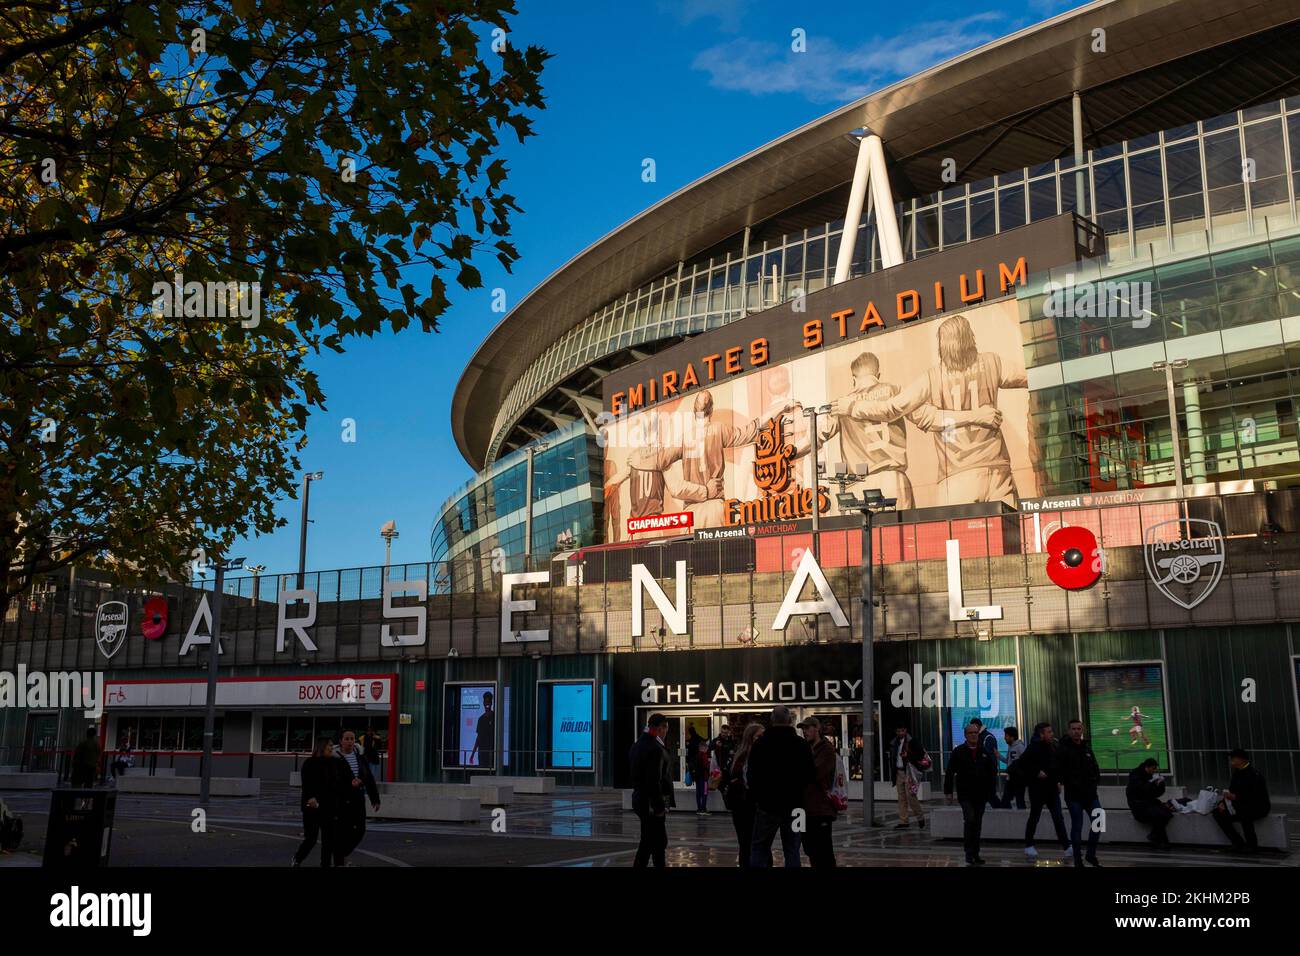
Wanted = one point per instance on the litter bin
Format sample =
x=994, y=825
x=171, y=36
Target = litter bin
x=80, y=828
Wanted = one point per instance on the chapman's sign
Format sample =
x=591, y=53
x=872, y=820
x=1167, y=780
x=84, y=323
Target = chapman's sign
x=677, y=521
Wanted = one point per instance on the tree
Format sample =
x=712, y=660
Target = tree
x=196, y=197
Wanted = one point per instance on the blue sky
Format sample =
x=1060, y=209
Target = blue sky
x=690, y=83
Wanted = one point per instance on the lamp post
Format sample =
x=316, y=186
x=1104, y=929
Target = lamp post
x=214, y=651
x=1168, y=369
x=388, y=532
x=811, y=414
x=871, y=502
x=307, y=479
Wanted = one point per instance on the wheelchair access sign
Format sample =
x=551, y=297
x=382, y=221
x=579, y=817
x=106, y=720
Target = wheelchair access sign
x=1185, y=559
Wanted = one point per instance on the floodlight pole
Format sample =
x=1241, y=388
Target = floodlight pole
x=210, y=705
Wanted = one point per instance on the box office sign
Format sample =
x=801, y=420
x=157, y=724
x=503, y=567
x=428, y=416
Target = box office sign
x=360, y=691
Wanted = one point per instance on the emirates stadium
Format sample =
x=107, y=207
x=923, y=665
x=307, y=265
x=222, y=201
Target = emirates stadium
x=1032, y=313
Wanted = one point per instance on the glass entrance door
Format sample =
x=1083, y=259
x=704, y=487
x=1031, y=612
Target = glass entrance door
x=702, y=724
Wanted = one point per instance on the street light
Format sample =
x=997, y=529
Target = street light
x=869, y=502
x=1168, y=369
x=214, y=652
x=811, y=414
x=307, y=479
x=388, y=532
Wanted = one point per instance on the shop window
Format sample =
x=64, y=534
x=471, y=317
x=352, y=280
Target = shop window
x=274, y=734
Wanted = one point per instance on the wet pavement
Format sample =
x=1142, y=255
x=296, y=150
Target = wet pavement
x=575, y=827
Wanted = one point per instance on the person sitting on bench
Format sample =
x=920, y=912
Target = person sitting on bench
x=1144, y=793
x=1244, y=802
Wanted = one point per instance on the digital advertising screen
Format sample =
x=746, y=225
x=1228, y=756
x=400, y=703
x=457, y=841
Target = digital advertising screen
x=1124, y=715
x=939, y=412
x=469, y=737
x=988, y=695
x=569, y=725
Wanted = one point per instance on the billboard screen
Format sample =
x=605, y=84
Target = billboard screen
x=937, y=413
x=469, y=738
x=1124, y=715
x=988, y=695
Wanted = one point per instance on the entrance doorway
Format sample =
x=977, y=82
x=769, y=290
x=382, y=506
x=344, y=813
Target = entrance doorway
x=41, y=742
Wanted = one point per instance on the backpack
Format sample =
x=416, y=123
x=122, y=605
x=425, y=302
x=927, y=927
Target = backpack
x=11, y=829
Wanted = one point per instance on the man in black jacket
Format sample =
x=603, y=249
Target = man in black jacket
x=909, y=760
x=780, y=769
x=1249, y=796
x=1080, y=776
x=975, y=776
x=355, y=783
x=1040, y=769
x=1144, y=791
x=652, y=791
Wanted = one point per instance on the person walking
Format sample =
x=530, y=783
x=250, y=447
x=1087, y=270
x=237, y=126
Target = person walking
x=652, y=791
x=353, y=783
x=320, y=788
x=1039, y=767
x=909, y=760
x=1015, y=786
x=989, y=744
x=1245, y=801
x=1143, y=793
x=973, y=775
x=697, y=763
x=817, y=840
x=85, y=760
x=780, y=769
x=1080, y=776
x=735, y=794
x=723, y=749
x=373, y=753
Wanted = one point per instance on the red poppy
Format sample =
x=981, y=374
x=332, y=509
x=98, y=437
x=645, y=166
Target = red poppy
x=1073, y=558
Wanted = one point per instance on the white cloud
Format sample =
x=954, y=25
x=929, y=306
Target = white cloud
x=728, y=13
x=830, y=72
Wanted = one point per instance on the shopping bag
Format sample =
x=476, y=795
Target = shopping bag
x=1206, y=801
x=839, y=792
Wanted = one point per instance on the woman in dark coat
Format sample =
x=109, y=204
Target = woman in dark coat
x=319, y=785
x=735, y=793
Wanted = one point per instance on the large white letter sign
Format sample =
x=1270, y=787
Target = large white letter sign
x=957, y=609
x=825, y=603
x=391, y=588
x=643, y=583
x=203, y=615
x=299, y=624
x=510, y=606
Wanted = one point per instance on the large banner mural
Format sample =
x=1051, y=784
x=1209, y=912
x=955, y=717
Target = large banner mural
x=934, y=414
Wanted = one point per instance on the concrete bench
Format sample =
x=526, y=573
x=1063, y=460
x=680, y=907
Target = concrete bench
x=144, y=772
x=1188, y=829
x=189, y=786
x=522, y=784
x=28, y=781
x=488, y=794
x=412, y=806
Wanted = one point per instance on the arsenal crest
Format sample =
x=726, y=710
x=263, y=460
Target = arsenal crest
x=1185, y=559
x=110, y=627
x=376, y=689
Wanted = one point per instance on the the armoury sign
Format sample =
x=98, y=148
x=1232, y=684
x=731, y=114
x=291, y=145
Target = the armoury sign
x=752, y=692
x=110, y=627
